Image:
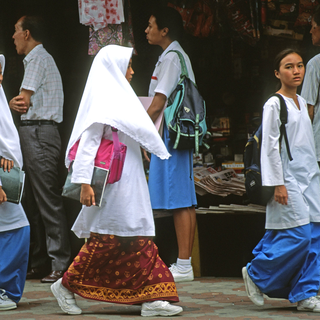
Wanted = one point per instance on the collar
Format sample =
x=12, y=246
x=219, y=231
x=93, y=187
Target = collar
x=32, y=53
x=171, y=46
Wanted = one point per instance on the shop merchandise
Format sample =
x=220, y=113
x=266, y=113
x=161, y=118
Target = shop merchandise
x=100, y=13
x=120, y=34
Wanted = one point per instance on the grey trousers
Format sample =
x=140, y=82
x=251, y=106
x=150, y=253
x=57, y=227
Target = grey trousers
x=41, y=145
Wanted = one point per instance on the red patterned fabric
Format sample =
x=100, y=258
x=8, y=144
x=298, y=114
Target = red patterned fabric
x=120, y=270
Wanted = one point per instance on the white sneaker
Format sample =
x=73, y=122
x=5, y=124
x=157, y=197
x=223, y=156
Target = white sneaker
x=253, y=292
x=159, y=308
x=5, y=302
x=181, y=276
x=65, y=298
x=310, y=304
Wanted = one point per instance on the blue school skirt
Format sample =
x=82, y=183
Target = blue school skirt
x=171, y=183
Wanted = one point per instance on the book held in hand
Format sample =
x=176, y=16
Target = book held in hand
x=12, y=183
x=98, y=184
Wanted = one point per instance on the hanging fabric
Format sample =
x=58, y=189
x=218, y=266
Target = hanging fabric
x=100, y=13
x=120, y=34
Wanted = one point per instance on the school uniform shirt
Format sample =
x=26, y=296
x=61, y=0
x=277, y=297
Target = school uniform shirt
x=311, y=93
x=12, y=215
x=176, y=173
x=109, y=100
x=300, y=176
x=163, y=81
x=126, y=208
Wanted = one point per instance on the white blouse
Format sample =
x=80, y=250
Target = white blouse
x=300, y=176
x=126, y=209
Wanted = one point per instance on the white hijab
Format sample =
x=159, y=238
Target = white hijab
x=109, y=99
x=9, y=138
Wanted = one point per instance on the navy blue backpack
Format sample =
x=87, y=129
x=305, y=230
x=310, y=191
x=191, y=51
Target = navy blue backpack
x=258, y=194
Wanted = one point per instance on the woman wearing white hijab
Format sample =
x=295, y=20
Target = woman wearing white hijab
x=119, y=263
x=14, y=225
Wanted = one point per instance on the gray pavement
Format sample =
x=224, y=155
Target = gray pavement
x=204, y=298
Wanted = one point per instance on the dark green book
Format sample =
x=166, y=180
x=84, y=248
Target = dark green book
x=12, y=184
x=98, y=184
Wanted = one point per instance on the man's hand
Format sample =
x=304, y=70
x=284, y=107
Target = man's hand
x=281, y=194
x=21, y=103
x=18, y=105
x=87, y=195
x=6, y=164
x=3, y=196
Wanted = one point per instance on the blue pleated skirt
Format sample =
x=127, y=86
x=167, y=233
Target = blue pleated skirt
x=171, y=183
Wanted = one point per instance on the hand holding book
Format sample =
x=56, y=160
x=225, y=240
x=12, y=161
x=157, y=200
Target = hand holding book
x=87, y=197
x=6, y=164
x=12, y=180
x=3, y=196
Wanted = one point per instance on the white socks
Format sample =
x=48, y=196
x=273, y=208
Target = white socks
x=184, y=265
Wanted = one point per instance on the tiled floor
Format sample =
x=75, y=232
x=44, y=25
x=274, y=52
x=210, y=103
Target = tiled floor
x=204, y=298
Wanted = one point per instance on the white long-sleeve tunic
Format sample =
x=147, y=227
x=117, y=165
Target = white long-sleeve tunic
x=300, y=176
x=126, y=208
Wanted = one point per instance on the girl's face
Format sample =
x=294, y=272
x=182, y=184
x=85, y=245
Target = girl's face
x=291, y=70
x=130, y=71
x=1, y=75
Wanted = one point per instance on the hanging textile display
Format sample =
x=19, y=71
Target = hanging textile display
x=197, y=16
x=121, y=34
x=109, y=22
x=99, y=13
x=240, y=15
x=289, y=18
x=306, y=10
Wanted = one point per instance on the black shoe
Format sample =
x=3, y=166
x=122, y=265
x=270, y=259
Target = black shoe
x=36, y=273
x=53, y=276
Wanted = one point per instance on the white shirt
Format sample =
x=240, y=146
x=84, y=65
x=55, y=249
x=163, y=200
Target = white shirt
x=300, y=176
x=126, y=209
x=311, y=93
x=12, y=215
x=42, y=76
x=166, y=74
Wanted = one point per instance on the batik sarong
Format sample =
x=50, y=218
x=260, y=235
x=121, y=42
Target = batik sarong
x=120, y=270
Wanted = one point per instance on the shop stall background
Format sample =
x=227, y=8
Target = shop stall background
x=235, y=75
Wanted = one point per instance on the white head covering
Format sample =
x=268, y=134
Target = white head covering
x=109, y=99
x=9, y=138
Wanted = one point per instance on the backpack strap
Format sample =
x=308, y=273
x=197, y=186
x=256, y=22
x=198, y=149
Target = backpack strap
x=284, y=120
x=184, y=70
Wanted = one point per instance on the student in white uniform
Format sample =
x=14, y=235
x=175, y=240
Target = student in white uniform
x=14, y=225
x=168, y=177
x=286, y=263
x=119, y=262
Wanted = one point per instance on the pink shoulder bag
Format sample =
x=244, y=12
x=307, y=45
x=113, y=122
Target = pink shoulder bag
x=110, y=156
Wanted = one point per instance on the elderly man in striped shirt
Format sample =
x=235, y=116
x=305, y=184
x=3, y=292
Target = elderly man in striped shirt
x=40, y=104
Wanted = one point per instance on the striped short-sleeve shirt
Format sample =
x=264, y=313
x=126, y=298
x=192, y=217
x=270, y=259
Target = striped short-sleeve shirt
x=42, y=76
x=311, y=93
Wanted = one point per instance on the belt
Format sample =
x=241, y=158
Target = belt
x=37, y=123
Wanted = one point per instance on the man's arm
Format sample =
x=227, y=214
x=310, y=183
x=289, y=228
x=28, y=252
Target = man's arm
x=21, y=103
x=157, y=106
x=311, y=111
